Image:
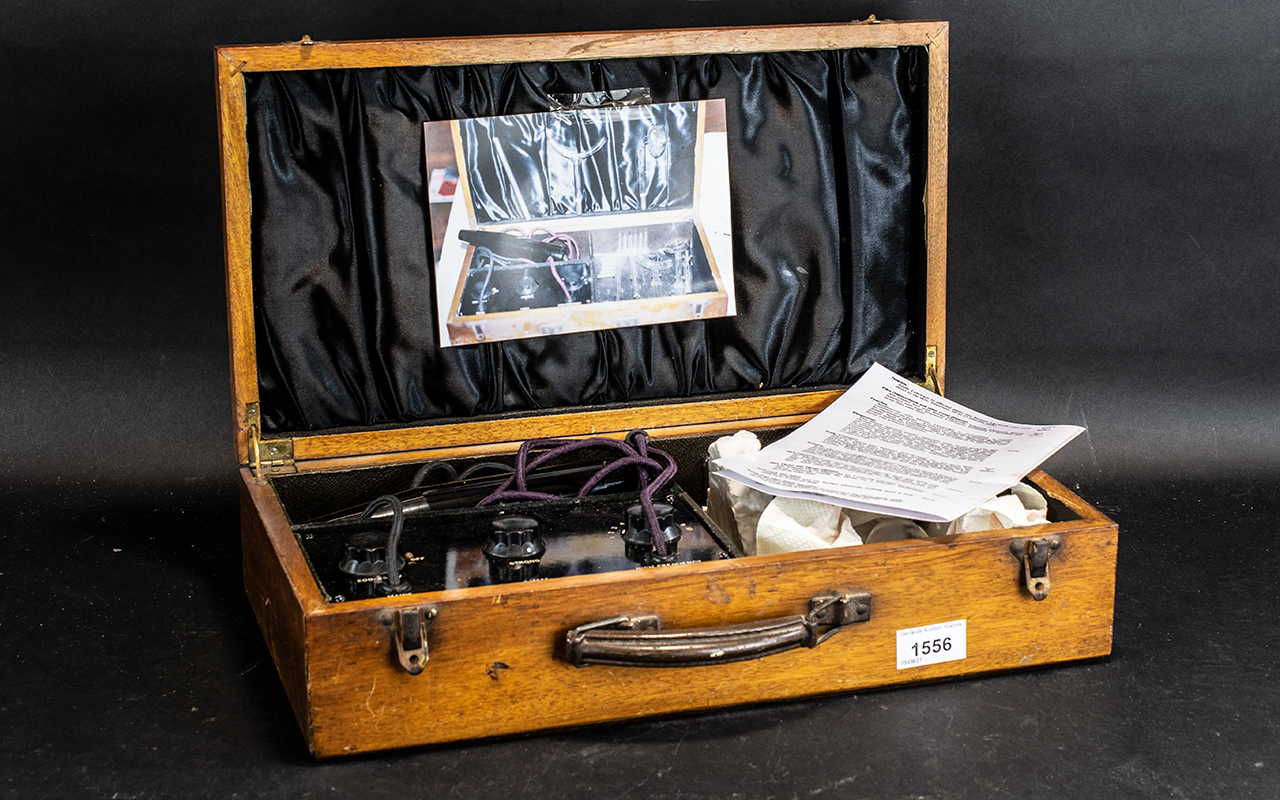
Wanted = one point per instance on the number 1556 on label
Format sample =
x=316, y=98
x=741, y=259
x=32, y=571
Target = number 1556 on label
x=931, y=644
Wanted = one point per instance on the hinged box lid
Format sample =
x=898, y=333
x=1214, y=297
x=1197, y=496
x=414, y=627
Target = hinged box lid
x=836, y=140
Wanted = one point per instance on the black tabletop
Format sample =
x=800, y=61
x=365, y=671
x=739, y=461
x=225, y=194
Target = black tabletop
x=134, y=668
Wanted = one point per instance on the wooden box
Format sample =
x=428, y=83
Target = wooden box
x=837, y=146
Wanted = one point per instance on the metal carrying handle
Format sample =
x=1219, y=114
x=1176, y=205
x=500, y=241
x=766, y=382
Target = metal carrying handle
x=639, y=641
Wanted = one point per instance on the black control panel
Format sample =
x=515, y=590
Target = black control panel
x=456, y=548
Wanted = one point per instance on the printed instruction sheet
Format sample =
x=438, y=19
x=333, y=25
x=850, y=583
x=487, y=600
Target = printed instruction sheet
x=888, y=446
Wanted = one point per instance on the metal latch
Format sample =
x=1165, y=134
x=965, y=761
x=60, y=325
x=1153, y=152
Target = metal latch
x=266, y=456
x=1034, y=555
x=409, y=628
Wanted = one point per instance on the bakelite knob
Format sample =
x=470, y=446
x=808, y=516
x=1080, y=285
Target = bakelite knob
x=639, y=540
x=514, y=549
x=367, y=556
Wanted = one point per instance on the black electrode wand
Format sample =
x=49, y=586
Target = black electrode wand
x=504, y=245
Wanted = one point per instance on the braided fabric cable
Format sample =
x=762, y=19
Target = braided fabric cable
x=654, y=469
x=393, y=584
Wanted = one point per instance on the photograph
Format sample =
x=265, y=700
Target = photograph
x=581, y=219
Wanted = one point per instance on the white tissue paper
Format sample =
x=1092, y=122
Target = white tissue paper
x=1022, y=506
x=733, y=506
x=789, y=524
x=762, y=524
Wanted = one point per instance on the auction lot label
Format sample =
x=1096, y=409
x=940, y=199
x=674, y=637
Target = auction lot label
x=931, y=644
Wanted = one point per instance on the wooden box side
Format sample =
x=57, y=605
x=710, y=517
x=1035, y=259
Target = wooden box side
x=280, y=589
x=715, y=413
x=497, y=664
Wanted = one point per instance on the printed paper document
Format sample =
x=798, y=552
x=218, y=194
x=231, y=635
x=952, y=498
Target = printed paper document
x=890, y=447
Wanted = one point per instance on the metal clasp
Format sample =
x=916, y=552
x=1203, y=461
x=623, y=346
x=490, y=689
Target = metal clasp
x=1034, y=555
x=409, y=627
x=307, y=41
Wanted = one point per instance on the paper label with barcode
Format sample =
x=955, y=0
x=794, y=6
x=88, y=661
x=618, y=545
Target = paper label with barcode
x=931, y=644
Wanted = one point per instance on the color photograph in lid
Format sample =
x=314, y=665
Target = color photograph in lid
x=579, y=219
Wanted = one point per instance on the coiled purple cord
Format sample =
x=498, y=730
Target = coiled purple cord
x=654, y=469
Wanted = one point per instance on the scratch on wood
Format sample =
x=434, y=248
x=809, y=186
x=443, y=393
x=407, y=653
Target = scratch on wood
x=738, y=676
x=585, y=47
x=370, y=697
x=716, y=594
x=615, y=678
x=236, y=65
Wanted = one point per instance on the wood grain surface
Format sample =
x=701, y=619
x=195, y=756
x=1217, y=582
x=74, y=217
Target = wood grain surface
x=306, y=54
x=497, y=665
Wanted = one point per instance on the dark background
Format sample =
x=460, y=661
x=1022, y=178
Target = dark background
x=1113, y=262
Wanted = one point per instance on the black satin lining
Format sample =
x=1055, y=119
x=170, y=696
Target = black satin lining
x=826, y=155
x=576, y=163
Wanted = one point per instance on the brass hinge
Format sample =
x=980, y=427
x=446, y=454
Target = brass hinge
x=266, y=456
x=931, y=369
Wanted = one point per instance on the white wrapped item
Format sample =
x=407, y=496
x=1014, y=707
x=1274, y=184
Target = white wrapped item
x=1033, y=501
x=733, y=506
x=762, y=524
x=1022, y=506
x=789, y=524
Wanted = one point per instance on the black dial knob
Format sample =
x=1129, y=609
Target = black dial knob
x=639, y=540
x=514, y=549
x=365, y=564
x=367, y=556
